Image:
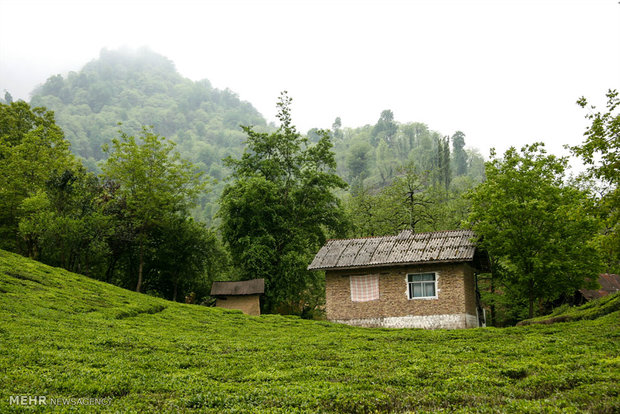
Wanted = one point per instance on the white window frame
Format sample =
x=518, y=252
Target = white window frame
x=410, y=291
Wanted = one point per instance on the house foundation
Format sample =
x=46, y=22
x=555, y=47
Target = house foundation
x=451, y=321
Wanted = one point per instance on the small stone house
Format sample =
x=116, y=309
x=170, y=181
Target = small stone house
x=412, y=280
x=243, y=295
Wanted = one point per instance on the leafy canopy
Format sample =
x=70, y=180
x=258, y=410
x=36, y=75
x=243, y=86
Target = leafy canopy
x=155, y=185
x=279, y=207
x=535, y=225
x=601, y=151
x=601, y=148
x=32, y=152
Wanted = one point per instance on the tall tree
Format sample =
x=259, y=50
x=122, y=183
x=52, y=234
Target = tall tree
x=276, y=212
x=154, y=182
x=187, y=258
x=385, y=128
x=535, y=225
x=601, y=149
x=411, y=201
x=459, y=153
x=443, y=171
x=72, y=225
x=358, y=160
x=32, y=151
x=406, y=203
x=601, y=152
x=337, y=129
x=8, y=98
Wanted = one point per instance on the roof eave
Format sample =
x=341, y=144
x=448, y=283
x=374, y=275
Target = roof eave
x=367, y=266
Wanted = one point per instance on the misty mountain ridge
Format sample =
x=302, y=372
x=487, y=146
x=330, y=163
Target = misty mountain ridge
x=140, y=87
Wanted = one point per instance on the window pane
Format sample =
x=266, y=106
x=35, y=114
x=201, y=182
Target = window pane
x=429, y=289
x=417, y=290
x=422, y=277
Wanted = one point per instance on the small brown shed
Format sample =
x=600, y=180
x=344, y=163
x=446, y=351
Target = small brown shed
x=411, y=280
x=243, y=295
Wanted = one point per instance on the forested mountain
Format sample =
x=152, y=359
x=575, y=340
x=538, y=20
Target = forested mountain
x=137, y=88
x=140, y=88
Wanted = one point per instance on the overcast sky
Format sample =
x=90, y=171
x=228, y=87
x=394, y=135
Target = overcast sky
x=504, y=72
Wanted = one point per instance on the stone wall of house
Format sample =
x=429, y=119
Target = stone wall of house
x=454, y=307
x=248, y=304
x=470, y=289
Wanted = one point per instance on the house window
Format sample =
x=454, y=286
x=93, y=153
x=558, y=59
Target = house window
x=422, y=285
x=364, y=288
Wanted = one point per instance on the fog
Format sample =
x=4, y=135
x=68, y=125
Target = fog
x=504, y=72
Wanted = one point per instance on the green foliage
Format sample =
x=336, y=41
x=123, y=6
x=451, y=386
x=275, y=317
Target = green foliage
x=460, y=155
x=32, y=151
x=591, y=310
x=412, y=201
x=405, y=204
x=56, y=211
x=63, y=225
x=368, y=157
x=65, y=335
x=443, y=171
x=386, y=128
x=403, y=176
x=358, y=161
x=601, y=151
x=8, y=98
x=155, y=185
x=184, y=257
x=276, y=212
x=154, y=179
x=535, y=226
x=602, y=140
x=143, y=88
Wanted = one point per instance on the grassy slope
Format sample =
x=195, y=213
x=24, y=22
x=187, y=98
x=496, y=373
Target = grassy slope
x=64, y=335
x=591, y=310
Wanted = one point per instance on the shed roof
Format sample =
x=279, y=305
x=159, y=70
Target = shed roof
x=405, y=248
x=610, y=284
x=245, y=287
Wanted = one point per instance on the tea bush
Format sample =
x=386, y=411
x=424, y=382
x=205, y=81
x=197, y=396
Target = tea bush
x=63, y=335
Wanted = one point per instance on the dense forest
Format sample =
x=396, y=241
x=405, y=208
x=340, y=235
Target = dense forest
x=141, y=88
x=129, y=173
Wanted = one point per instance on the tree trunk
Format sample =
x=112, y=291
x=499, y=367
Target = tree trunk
x=531, y=300
x=140, y=267
x=493, y=319
x=110, y=270
x=176, y=285
x=494, y=276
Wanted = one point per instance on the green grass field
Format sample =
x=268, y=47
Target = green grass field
x=67, y=336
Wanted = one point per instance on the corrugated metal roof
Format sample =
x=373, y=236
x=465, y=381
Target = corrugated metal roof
x=404, y=248
x=245, y=287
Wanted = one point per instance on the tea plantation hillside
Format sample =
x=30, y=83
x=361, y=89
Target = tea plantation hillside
x=66, y=336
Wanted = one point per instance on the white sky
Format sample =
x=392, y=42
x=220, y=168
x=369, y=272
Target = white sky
x=504, y=72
